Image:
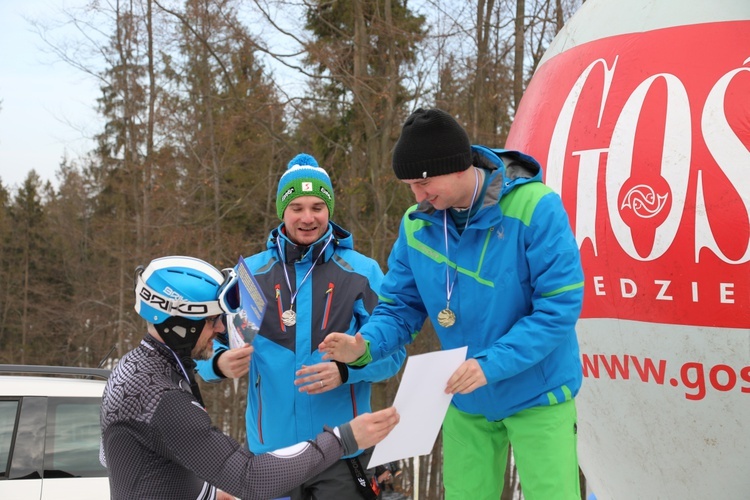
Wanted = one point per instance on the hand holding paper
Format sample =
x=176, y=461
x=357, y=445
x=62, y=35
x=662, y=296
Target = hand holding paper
x=235, y=363
x=467, y=378
x=421, y=402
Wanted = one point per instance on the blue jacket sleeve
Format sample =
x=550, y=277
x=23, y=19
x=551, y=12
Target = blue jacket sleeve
x=389, y=365
x=205, y=368
x=400, y=313
x=556, y=298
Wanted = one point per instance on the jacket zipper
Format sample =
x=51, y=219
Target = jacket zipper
x=354, y=400
x=260, y=411
x=329, y=299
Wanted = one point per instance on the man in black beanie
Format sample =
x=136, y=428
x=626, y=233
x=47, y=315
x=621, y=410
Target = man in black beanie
x=489, y=256
x=432, y=143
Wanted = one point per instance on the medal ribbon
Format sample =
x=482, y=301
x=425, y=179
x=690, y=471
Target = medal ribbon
x=450, y=283
x=309, y=271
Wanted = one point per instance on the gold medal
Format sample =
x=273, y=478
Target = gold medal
x=289, y=317
x=446, y=318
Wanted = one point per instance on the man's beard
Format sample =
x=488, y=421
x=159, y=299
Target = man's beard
x=204, y=352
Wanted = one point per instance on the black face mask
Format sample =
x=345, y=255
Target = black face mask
x=181, y=335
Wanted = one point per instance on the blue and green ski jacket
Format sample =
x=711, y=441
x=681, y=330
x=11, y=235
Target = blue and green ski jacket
x=517, y=296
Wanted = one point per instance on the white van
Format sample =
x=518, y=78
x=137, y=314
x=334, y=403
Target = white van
x=50, y=433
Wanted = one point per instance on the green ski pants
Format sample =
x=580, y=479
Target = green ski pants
x=543, y=439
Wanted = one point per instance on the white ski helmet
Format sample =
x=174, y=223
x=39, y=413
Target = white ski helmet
x=186, y=287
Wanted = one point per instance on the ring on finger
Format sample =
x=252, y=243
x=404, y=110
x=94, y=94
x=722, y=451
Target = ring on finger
x=322, y=384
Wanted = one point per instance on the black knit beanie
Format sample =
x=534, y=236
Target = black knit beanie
x=431, y=143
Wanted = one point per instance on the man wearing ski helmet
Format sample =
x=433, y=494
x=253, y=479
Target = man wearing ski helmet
x=157, y=439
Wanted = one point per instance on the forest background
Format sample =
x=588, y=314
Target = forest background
x=203, y=104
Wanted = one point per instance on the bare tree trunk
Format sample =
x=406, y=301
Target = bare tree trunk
x=380, y=247
x=518, y=73
x=120, y=322
x=354, y=82
x=512, y=485
x=582, y=480
x=25, y=309
x=484, y=16
x=435, y=489
x=365, y=158
x=215, y=177
x=148, y=164
x=125, y=26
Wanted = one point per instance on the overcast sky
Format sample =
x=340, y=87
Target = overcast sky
x=48, y=108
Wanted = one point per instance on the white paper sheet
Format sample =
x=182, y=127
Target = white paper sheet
x=421, y=402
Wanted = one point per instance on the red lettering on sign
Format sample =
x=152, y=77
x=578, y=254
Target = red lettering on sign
x=652, y=159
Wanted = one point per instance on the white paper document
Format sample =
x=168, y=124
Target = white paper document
x=421, y=402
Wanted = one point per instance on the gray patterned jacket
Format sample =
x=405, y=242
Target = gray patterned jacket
x=158, y=441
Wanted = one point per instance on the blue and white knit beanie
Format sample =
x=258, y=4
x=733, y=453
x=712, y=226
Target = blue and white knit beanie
x=304, y=177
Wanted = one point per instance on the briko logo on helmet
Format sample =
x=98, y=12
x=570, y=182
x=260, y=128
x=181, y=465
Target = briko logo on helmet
x=172, y=307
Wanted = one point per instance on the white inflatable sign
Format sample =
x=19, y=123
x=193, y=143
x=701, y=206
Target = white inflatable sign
x=640, y=113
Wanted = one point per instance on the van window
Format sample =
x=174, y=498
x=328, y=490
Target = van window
x=73, y=438
x=8, y=411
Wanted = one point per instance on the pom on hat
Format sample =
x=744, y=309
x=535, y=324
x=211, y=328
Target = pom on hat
x=304, y=178
x=431, y=143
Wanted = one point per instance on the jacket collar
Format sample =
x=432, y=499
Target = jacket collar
x=291, y=252
x=520, y=169
x=162, y=349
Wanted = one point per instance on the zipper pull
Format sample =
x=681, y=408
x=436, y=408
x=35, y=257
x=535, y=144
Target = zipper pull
x=329, y=299
x=279, y=307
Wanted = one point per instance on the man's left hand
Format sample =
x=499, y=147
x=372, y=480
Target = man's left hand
x=318, y=378
x=467, y=378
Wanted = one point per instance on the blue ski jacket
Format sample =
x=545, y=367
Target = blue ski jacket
x=338, y=296
x=517, y=296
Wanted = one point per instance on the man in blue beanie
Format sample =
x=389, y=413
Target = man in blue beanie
x=315, y=283
x=489, y=256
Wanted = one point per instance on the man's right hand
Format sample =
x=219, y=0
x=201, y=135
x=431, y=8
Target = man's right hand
x=342, y=347
x=235, y=363
x=371, y=428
